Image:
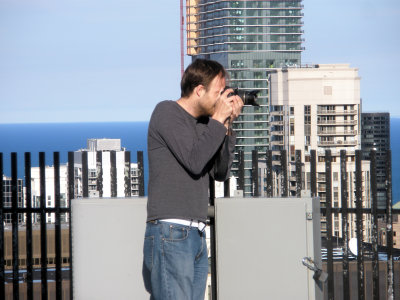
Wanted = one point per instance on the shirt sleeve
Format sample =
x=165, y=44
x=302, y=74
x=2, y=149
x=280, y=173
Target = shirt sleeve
x=177, y=130
x=224, y=159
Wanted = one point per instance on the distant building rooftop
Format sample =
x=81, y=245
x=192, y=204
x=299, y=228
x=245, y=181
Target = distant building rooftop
x=104, y=145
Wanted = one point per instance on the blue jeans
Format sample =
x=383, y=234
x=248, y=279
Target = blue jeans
x=175, y=261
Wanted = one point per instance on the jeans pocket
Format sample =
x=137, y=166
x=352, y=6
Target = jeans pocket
x=176, y=233
x=148, y=250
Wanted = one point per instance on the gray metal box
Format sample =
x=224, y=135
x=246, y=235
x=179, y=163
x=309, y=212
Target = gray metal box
x=107, y=248
x=260, y=246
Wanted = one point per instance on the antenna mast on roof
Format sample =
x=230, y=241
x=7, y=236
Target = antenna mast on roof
x=182, y=46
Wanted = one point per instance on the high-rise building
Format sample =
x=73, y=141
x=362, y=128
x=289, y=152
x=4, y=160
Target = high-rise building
x=375, y=134
x=249, y=38
x=108, y=170
x=109, y=174
x=319, y=108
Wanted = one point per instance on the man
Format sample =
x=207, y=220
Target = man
x=188, y=140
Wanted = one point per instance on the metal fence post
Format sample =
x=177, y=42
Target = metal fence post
x=328, y=186
x=254, y=173
x=213, y=242
x=241, y=171
x=269, y=173
x=298, y=174
x=14, y=219
x=345, y=224
x=2, y=262
x=359, y=226
x=389, y=227
x=313, y=173
x=99, y=172
x=43, y=225
x=227, y=192
x=57, y=199
x=29, y=258
x=85, y=178
x=127, y=174
x=113, y=173
x=284, y=177
x=375, y=261
x=71, y=195
x=140, y=173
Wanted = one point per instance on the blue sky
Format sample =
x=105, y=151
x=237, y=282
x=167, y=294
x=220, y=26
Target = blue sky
x=96, y=61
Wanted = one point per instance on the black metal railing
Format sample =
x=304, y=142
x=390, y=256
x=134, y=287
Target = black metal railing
x=43, y=210
x=328, y=211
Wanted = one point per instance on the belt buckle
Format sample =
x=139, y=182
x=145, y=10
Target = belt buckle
x=202, y=227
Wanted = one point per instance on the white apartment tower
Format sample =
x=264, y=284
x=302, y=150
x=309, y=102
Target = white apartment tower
x=319, y=108
x=104, y=180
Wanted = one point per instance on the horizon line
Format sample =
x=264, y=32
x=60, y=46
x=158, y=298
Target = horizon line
x=70, y=122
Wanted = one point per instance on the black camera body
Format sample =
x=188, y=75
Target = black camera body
x=248, y=97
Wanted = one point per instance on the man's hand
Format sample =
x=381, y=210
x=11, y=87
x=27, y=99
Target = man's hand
x=237, y=105
x=223, y=107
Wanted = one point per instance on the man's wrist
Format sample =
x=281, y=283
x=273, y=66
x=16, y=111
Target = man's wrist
x=222, y=120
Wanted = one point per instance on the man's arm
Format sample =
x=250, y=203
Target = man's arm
x=224, y=159
x=176, y=130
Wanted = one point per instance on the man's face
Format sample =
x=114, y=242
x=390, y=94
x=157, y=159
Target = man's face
x=212, y=95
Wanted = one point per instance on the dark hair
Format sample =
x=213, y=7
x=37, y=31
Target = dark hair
x=201, y=71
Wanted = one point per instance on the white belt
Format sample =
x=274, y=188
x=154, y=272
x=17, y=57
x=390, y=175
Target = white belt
x=199, y=225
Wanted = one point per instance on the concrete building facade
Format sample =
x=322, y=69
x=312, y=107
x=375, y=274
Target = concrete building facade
x=319, y=108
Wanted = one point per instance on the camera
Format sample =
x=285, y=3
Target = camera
x=248, y=97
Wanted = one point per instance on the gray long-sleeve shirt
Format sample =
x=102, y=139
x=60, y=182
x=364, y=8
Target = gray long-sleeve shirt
x=182, y=152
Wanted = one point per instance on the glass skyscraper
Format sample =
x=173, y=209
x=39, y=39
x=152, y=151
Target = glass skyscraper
x=375, y=135
x=249, y=38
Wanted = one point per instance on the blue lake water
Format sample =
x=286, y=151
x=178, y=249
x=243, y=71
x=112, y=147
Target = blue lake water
x=64, y=137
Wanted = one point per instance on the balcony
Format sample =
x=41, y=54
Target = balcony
x=279, y=123
x=276, y=113
x=336, y=132
x=336, y=112
x=337, y=143
x=277, y=143
x=277, y=132
x=337, y=122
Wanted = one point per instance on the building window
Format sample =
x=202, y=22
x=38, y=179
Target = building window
x=327, y=90
x=307, y=140
x=237, y=64
x=335, y=176
x=291, y=129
